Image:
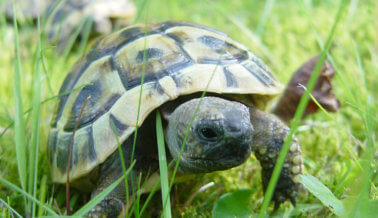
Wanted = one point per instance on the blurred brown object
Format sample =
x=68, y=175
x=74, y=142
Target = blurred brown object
x=322, y=92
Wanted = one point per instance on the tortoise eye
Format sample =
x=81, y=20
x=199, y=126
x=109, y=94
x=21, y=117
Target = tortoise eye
x=208, y=134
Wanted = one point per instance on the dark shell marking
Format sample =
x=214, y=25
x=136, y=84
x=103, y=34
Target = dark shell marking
x=83, y=148
x=230, y=78
x=229, y=53
x=148, y=54
x=166, y=56
x=118, y=125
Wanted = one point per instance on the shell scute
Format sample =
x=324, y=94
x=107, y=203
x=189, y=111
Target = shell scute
x=259, y=73
x=103, y=89
x=67, y=86
x=166, y=58
x=207, y=47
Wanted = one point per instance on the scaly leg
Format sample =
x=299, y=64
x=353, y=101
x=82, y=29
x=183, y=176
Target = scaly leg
x=269, y=136
x=146, y=163
x=113, y=204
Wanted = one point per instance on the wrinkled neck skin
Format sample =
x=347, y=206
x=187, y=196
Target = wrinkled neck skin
x=175, y=130
x=229, y=147
x=175, y=134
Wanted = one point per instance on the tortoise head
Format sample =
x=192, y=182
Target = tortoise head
x=219, y=138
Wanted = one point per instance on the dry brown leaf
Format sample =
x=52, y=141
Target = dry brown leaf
x=323, y=91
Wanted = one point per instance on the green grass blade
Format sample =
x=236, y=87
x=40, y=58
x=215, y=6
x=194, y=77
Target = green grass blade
x=141, y=6
x=264, y=17
x=3, y=25
x=45, y=101
x=47, y=16
x=353, y=5
x=42, y=195
x=140, y=97
x=363, y=185
x=357, y=103
x=137, y=202
x=13, y=211
x=163, y=167
x=34, y=142
x=315, y=101
x=339, y=76
x=7, y=115
x=17, y=189
x=360, y=66
x=64, y=93
x=46, y=74
x=321, y=192
x=62, y=216
x=141, y=84
x=299, y=113
x=72, y=38
x=100, y=196
x=149, y=197
x=122, y=164
x=5, y=118
x=85, y=35
x=19, y=128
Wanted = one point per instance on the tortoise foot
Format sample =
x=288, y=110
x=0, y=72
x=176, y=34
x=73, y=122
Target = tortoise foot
x=109, y=207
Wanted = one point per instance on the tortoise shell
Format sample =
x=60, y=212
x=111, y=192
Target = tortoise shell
x=65, y=16
x=28, y=9
x=161, y=61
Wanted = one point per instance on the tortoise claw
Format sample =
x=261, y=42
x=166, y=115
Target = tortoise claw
x=293, y=201
x=276, y=206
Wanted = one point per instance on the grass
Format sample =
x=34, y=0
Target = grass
x=163, y=168
x=19, y=118
x=338, y=150
x=298, y=114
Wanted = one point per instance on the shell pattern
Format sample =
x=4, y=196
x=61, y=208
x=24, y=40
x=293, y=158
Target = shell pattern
x=162, y=61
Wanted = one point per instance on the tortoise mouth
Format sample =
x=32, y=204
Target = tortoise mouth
x=225, y=152
x=219, y=158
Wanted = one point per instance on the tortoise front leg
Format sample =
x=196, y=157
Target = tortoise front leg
x=111, y=170
x=114, y=203
x=269, y=136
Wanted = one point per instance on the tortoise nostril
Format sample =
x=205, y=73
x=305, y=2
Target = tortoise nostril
x=234, y=127
x=241, y=132
x=237, y=120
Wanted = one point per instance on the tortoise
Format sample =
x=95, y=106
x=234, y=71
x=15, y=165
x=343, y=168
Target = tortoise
x=172, y=63
x=65, y=16
x=25, y=9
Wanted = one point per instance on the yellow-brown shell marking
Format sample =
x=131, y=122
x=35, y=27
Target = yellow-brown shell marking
x=176, y=58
